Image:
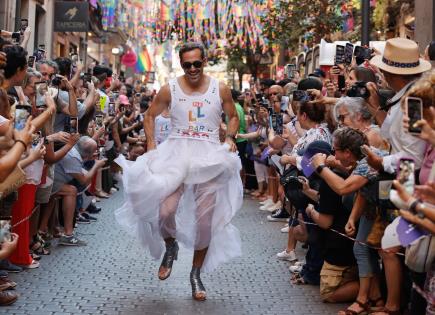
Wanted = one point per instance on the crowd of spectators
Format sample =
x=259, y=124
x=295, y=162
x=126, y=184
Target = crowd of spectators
x=61, y=127
x=345, y=156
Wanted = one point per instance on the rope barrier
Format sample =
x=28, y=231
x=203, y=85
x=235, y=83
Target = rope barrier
x=26, y=218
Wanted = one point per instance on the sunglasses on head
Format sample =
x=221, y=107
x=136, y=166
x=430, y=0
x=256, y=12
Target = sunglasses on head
x=187, y=65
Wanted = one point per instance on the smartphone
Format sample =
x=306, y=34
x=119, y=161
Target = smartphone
x=36, y=138
x=74, y=124
x=41, y=88
x=341, y=81
x=24, y=25
x=31, y=61
x=111, y=109
x=5, y=230
x=348, y=54
x=406, y=174
x=101, y=153
x=414, y=110
x=273, y=121
x=339, y=54
x=87, y=77
x=137, y=94
x=16, y=36
x=290, y=70
x=99, y=120
x=22, y=113
x=115, y=95
x=301, y=95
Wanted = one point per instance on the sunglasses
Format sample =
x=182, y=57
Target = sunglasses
x=187, y=65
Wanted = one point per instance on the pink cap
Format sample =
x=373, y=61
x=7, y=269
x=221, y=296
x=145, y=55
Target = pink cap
x=123, y=99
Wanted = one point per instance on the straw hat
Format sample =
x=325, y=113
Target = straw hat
x=401, y=56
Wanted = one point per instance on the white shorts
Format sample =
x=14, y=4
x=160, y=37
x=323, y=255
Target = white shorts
x=261, y=172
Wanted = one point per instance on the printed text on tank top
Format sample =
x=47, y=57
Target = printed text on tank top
x=196, y=116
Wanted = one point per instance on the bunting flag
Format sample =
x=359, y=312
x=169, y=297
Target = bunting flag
x=144, y=62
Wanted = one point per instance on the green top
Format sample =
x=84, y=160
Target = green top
x=242, y=122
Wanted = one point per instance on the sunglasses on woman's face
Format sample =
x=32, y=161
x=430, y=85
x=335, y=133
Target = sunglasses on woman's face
x=187, y=65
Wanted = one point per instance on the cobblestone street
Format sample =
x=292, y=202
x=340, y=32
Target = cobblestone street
x=112, y=275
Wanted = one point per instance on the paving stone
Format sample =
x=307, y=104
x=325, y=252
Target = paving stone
x=113, y=275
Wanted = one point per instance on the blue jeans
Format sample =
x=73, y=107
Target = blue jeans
x=366, y=258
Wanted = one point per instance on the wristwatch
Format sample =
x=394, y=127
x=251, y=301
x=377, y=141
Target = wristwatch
x=320, y=168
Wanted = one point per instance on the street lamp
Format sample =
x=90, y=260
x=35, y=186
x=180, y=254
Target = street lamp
x=365, y=27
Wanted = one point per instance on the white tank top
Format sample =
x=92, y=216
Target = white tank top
x=162, y=128
x=196, y=116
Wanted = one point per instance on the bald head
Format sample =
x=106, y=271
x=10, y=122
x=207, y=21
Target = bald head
x=86, y=147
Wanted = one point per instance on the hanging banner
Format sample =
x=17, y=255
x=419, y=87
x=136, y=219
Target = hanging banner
x=71, y=16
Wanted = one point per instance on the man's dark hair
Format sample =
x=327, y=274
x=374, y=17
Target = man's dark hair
x=267, y=82
x=283, y=82
x=431, y=50
x=144, y=104
x=310, y=83
x=364, y=74
x=315, y=112
x=16, y=60
x=64, y=66
x=351, y=139
x=186, y=47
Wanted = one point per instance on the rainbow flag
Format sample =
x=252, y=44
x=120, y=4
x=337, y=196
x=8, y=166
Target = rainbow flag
x=144, y=62
x=165, y=14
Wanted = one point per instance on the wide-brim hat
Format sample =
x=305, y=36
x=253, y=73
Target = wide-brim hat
x=312, y=149
x=401, y=56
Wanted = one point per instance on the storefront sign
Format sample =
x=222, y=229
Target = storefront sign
x=71, y=16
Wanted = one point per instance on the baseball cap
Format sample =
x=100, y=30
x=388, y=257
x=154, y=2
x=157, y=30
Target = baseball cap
x=123, y=99
x=312, y=149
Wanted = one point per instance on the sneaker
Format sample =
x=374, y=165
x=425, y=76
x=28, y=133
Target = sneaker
x=284, y=255
x=82, y=220
x=279, y=216
x=93, y=209
x=272, y=207
x=33, y=265
x=299, y=263
x=113, y=190
x=8, y=266
x=285, y=229
x=295, y=268
x=88, y=217
x=266, y=202
x=71, y=241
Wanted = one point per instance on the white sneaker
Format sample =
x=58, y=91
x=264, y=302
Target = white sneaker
x=284, y=255
x=272, y=207
x=266, y=202
x=295, y=268
x=285, y=229
x=299, y=263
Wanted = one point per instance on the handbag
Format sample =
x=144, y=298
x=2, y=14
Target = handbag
x=14, y=181
x=378, y=228
x=420, y=255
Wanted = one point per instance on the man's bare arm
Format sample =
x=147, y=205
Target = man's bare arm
x=230, y=111
x=160, y=103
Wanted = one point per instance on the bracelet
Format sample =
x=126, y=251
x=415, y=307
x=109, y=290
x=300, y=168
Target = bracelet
x=22, y=142
x=413, y=205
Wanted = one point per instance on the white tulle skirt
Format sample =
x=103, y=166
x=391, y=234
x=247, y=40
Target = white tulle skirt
x=186, y=189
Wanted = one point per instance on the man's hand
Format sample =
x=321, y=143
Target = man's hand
x=318, y=159
x=426, y=192
x=66, y=84
x=100, y=163
x=231, y=144
x=73, y=139
x=373, y=159
x=287, y=159
x=305, y=183
x=60, y=136
x=49, y=101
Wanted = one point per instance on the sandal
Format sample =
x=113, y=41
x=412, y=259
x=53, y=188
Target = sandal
x=298, y=280
x=39, y=249
x=365, y=308
x=374, y=307
x=171, y=254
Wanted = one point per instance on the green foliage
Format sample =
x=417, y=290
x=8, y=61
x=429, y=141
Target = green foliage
x=291, y=19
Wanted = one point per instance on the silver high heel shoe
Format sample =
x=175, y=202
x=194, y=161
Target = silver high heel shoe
x=198, y=289
x=171, y=254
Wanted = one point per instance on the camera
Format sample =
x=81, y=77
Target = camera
x=57, y=80
x=293, y=181
x=359, y=89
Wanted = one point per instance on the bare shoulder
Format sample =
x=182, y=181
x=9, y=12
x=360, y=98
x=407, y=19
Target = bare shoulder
x=224, y=90
x=165, y=93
